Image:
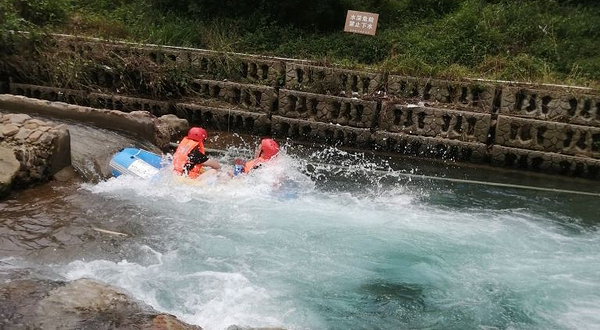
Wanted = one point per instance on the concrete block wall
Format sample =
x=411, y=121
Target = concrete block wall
x=208, y=64
x=224, y=119
x=433, y=122
x=254, y=98
x=328, y=109
x=546, y=136
x=311, y=78
x=551, y=105
x=70, y=96
x=432, y=147
x=476, y=96
x=547, y=162
x=541, y=128
x=304, y=130
x=129, y=104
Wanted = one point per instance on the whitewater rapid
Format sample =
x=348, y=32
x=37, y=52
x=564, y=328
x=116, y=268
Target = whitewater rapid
x=349, y=249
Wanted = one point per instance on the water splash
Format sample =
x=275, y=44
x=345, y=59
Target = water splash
x=353, y=249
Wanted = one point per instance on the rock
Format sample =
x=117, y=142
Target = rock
x=45, y=138
x=34, y=136
x=19, y=118
x=22, y=134
x=9, y=130
x=141, y=114
x=29, y=125
x=66, y=174
x=9, y=168
x=36, y=175
x=61, y=149
x=31, y=302
x=237, y=327
x=169, y=322
x=178, y=124
x=66, y=307
x=36, y=121
x=169, y=128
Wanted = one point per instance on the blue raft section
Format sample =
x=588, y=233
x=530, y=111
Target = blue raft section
x=145, y=164
x=137, y=162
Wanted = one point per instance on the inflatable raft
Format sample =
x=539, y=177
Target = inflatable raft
x=137, y=162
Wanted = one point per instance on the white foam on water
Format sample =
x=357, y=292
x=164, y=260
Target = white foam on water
x=213, y=299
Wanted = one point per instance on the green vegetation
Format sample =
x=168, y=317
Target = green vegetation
x=552, y=41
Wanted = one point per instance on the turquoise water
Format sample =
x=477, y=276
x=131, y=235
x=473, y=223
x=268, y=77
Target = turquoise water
x=346, y=248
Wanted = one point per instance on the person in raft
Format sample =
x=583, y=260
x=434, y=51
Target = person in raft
x=190, y=159
x=266, y=150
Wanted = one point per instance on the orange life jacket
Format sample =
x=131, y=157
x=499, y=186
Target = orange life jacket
x=180, y=158
x=252, y=164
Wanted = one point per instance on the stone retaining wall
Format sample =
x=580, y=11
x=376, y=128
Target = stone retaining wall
x=545, y=162
x=431, y=147
x=398, y=127
x=547, y=136
x=41, y=149
x=320, y=79
x=304, y=130
x=473, y=95
x=128, y=104
x=224, y=119
x=432, y=122
x=159, y=130
x=253, y=98
x=328, y=109
x=208, y=64
x=65, y=95
x=542, y=128
x=550, y=105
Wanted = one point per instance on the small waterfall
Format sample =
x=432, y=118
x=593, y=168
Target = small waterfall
x=92, y=149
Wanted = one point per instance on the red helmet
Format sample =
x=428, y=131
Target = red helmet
x=269, y=148
x=197, y=134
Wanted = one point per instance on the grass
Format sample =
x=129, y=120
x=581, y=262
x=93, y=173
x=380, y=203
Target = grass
x=543, y=41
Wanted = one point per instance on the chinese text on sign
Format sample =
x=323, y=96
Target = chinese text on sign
x=361, y=22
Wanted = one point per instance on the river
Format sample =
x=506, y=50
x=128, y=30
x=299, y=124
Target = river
x=321, y=240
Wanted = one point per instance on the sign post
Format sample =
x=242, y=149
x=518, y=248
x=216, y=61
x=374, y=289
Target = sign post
x=361, y=22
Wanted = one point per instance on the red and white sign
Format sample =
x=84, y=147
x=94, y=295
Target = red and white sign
x=361, y=22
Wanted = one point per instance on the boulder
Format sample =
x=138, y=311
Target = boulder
x=9, y=130
x=169, y=128
x=19, y=118
x=9, y=167
x=176, y=124
x=66, y=174
x=61, y=152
